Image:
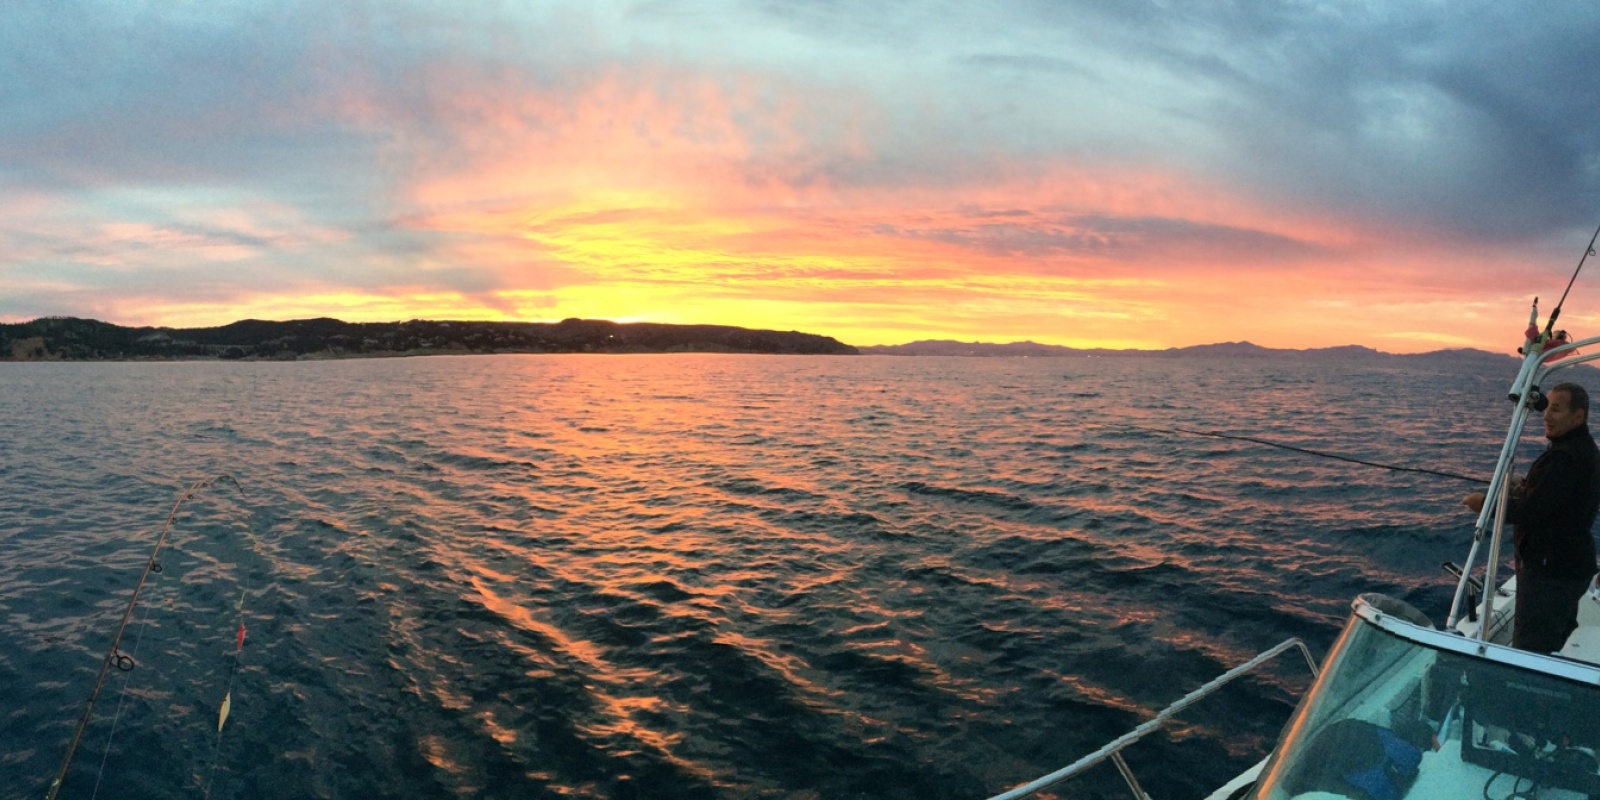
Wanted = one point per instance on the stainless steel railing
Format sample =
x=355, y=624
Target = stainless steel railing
x=1113, y=750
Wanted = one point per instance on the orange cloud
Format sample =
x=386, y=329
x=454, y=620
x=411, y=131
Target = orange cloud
x=674, y=196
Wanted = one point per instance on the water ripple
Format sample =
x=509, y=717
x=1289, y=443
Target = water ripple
x=694, y=576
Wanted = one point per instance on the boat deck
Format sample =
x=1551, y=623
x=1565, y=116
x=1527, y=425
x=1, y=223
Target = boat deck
x=1443, y=774
x=1584, y=643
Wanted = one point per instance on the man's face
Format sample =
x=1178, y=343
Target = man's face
x=1560, y=416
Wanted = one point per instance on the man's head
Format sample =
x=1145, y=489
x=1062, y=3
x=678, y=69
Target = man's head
x=1569, y=408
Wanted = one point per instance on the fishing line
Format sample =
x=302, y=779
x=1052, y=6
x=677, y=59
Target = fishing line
x=122, y=697
x=227, y=696
x=1319, y=453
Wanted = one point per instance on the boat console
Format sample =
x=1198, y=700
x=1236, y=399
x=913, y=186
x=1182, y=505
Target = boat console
x=1402, y=711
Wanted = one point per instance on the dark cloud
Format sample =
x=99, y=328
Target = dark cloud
x=1029, y=63
x=1152, y=242
x=1474, y=118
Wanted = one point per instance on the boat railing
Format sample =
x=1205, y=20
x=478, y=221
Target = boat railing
x=1113, y=750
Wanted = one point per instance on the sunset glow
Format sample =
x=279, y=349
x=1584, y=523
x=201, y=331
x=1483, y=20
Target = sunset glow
x=1067, y=175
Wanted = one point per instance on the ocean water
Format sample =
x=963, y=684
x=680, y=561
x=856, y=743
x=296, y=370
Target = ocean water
x=697, y=576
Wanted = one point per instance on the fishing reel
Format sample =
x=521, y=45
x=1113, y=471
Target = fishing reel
x=1537, y=400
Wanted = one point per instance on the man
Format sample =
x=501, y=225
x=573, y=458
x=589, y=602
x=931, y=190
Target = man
x=1552, y=510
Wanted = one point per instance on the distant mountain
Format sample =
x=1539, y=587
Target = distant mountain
x=1248, y=350
x=68, y=338
x=946, y=347
x=1221, y=350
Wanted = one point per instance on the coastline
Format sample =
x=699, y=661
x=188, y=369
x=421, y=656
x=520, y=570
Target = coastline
x=72, y=339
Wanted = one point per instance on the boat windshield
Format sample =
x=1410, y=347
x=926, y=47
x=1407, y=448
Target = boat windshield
x=1403, y=711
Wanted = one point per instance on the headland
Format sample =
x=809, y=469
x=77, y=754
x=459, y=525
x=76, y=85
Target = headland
x=74, y=339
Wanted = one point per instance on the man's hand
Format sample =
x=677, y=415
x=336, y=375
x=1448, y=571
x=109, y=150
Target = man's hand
x=1474, y=501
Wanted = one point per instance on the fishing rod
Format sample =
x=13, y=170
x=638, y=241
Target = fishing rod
x=115, y=657
x=1589, y=251
x=1319, y=453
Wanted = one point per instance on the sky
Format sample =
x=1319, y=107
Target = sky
x=1398, y=174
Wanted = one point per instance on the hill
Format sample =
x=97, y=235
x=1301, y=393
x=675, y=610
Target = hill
x=69, y=338
x=944, y=347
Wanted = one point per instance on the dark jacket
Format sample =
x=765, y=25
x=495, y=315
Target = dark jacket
x=1555, y=506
